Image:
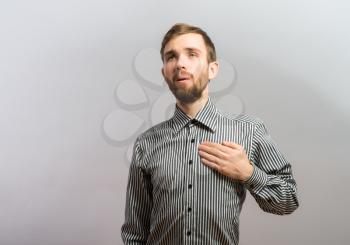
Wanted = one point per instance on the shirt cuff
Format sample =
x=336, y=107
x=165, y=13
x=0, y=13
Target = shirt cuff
x=257, y=181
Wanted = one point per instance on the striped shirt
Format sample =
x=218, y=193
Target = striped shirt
x=173, y=198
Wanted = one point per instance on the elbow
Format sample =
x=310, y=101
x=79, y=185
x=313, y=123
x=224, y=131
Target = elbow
x=292, y=206
x=289, y=209
x=281, y=208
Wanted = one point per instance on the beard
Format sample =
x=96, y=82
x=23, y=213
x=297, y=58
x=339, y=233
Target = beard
x=188, y=94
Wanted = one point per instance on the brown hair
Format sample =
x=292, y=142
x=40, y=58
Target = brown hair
x=181, y=29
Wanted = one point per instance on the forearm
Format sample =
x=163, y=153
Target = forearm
x=132, y=236
x=275, y=193
x=135, y=229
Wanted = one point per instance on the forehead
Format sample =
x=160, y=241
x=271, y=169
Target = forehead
x=186, y=41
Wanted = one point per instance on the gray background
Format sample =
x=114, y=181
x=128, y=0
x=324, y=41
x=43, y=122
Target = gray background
x=63, y=172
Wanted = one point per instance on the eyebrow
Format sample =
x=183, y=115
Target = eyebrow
x=189, y=49
x=194, y=49
x=169, y=53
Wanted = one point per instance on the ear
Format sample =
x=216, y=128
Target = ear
x=163, y=72
x=213, y=69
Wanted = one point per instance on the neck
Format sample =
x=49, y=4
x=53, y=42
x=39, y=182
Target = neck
x=191, y=109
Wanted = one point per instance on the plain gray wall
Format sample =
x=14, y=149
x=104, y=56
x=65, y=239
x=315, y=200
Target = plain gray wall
x=70, y=69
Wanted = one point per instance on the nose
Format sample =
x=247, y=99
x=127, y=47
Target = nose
x=181, y=62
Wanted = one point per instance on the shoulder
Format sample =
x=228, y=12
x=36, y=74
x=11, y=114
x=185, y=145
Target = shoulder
x=245, y=119
x=155, y=132
x=146, y=141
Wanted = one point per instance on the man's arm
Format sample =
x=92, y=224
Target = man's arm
x=135, y=229
x=272, y=183
x=268, y=175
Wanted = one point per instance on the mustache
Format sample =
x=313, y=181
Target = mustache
x=182, y=74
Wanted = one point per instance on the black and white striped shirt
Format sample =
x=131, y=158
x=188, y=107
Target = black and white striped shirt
x=172, y=198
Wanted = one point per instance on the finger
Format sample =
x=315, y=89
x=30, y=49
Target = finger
x=209, y=157
x=232, y=145
x=212, y=150
x=210, y=164
x=225, y=148
x=211, y=144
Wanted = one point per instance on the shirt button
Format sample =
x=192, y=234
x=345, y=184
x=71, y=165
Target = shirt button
x=189, y=186
x=190, y=161
x=188, y=233
x=192, y=140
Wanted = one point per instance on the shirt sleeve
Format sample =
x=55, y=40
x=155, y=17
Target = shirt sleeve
x=272, y=183
x=135, y=229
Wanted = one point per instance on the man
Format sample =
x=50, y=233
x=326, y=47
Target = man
x=189, y=175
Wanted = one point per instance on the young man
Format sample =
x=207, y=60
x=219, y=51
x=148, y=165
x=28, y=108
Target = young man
x=189, y=175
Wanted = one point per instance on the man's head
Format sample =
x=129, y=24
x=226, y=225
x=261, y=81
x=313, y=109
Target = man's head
x=181, y=29
x=189, y=62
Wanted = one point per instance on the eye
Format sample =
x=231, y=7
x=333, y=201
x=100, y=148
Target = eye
x=193, y=54
x=170, y=57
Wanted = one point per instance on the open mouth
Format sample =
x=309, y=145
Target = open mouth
x=183, y=79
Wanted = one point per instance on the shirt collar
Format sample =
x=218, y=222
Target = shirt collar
x=207, y=116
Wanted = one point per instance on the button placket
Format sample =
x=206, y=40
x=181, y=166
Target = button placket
x=191, y=148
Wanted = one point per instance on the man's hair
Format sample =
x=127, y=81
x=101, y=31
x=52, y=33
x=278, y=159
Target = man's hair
x=181, y=29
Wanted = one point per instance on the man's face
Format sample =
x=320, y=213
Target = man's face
x=186, y=68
